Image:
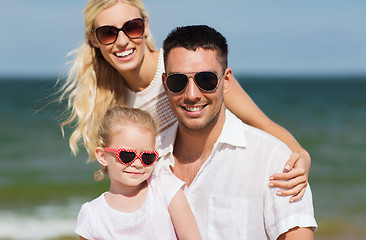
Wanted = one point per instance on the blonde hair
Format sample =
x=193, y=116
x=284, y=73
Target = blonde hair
x=112, y=123
x=93, y=85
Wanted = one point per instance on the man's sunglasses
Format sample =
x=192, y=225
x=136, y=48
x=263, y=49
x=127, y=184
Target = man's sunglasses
x=108, y=34
x=126, y=157
x=205, y=81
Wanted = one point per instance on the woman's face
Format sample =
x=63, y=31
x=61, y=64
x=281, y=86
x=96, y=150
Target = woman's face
x=124, y=54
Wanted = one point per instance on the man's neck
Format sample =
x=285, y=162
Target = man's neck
x=193, y=147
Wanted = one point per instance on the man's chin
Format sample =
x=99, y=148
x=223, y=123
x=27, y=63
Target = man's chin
x=196, y=126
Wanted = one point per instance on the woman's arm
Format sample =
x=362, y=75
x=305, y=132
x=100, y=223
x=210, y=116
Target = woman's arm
x=182, y=217
x=297, y=167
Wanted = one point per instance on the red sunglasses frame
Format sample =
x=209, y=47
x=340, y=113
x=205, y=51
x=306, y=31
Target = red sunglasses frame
x=137, y=156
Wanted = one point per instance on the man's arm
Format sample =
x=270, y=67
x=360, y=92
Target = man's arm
x=287, y=220
x=297, y=233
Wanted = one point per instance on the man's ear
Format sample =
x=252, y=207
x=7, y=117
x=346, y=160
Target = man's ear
x=228, y=79
x=163, y=77
x=101, y=156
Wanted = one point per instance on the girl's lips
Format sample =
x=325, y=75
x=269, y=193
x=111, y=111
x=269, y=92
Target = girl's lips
x=134, y=173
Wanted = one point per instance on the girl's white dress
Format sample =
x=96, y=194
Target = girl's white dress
x=96, y=220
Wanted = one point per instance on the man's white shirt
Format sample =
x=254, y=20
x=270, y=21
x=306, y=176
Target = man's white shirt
x=230, y=196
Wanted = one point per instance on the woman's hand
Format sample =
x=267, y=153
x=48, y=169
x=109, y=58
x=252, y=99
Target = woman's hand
x=295, y=179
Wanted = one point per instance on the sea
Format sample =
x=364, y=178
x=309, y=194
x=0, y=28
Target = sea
x=42, y=184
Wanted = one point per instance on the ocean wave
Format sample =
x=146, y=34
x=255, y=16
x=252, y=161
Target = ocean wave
x=39, y=223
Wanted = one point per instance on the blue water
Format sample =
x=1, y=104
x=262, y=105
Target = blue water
x=42, y=185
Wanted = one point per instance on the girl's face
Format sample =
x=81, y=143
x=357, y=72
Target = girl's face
x=133, y=137
x=124, y=54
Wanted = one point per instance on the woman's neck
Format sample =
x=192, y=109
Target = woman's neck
x=140, y=78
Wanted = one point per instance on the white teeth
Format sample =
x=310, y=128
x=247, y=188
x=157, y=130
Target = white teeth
x=193, y=109
x=125, y=53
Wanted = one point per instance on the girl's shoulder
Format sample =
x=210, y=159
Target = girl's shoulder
x=165, y=185
x=98, y=202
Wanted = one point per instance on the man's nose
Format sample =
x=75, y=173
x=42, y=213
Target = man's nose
x=192, y=92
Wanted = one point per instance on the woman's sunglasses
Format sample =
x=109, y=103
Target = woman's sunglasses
x=108, y=34
x=205, y=81
x=126, y=157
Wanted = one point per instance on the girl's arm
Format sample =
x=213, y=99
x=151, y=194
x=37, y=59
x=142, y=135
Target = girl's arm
x=297, y=167
x=297, y=234
x=184, y=222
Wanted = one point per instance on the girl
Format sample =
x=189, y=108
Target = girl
x=118, y=64
x=139, y=203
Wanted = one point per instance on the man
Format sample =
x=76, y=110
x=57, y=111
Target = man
x=225, y=163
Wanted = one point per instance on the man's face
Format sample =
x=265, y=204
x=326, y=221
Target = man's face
x=195, y=109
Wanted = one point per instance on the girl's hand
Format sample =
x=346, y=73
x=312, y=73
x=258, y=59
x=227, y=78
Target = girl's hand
x=295, y=178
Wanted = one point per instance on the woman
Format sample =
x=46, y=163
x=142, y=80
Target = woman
x=118, y=64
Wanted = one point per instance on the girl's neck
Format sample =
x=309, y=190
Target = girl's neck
x=127, y=198
x=127, y=191
x=140, y=78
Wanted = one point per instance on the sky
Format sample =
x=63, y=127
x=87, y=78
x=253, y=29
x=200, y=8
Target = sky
x=265, y=37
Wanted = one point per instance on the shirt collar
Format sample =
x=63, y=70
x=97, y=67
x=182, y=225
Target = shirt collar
x=167, y=140
x=233, y=133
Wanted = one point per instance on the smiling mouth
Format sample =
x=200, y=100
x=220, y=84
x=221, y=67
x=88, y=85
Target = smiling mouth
x=124, y=53
x=194, y=109
x=135, y=173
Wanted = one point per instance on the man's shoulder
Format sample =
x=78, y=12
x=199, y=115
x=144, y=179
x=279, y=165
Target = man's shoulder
x=251, y=135
x=265, y=137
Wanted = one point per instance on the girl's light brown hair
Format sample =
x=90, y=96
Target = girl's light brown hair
x=114, y=120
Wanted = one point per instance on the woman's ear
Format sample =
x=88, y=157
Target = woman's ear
x=101, y=156
x=228, y=79
x=94, y=41
x=147, y=27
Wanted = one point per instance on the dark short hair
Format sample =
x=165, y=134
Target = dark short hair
x=197, y=36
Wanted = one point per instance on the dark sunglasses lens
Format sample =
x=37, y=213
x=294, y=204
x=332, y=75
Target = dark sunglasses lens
x=127, y=157
x=134, y=28
x=207, y=81
x=176, y=82
x=107, y=34
x=148, y=158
